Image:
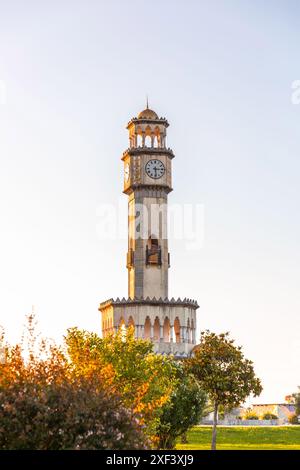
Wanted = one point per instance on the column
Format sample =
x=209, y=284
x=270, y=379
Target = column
x=161, y=329
x=171, y=333
x=136, y=331
x=151, y=332
x=182, y=334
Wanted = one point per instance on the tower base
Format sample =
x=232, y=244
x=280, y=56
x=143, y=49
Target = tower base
x=169, y=324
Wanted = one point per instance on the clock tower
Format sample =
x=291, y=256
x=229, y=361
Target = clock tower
x=147, y=182
x=170, y=324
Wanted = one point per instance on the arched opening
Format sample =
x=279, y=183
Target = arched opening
x=148, y=141
x=159, y=140
x=166, y=330
x=156, y=134
x=147, y=328
x=156, y=330
x=153, y=251
x=177, y=330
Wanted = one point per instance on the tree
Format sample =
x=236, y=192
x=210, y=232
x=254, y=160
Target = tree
x=223, y=372
x=46, y=404
x=142, y=379
x=184, y=409
x=296, y=397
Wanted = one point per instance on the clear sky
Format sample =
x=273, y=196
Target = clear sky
x=72, y=74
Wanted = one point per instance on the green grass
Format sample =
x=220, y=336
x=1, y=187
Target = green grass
x=244, y=438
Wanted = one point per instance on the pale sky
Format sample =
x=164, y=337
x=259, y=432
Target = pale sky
x=72, y=73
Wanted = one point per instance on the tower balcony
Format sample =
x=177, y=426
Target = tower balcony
x=146, y=149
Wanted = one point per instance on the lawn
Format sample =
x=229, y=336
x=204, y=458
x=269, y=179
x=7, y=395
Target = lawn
x=244, y=438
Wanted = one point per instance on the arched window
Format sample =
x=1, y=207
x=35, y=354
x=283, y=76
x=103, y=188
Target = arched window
x=177, y=330
x=156, y=137
x=166, y=330
x=148, y=141
x=147, y=328
x=156, y=329
x=139, y=140
x=153, y=251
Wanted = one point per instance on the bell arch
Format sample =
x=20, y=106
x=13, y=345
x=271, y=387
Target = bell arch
x=156, y=329
x=177, y=330
x=147, y=328
x=166, y=330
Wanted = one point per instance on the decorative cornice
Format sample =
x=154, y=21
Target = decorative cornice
x=153, y=301
x=152, y=150
x=135, y=120
x=157, y=188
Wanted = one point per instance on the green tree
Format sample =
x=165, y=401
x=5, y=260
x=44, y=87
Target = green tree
x=223, y=372
x=142, y=379
x=184, y=409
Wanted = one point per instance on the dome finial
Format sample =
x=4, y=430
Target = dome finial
x=147, y=102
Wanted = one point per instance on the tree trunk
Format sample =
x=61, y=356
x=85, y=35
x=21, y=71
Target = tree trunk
x=214, y=431
x=184, y=438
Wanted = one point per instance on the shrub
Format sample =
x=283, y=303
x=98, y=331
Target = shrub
x=251, y=415
x=75, y=414
x=46, y=404
x=269, y=416
x=294, y=419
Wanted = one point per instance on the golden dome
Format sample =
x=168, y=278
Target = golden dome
x=147, y=114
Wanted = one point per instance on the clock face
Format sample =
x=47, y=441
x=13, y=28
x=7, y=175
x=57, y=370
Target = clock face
x=155, y=169
x=126, y=172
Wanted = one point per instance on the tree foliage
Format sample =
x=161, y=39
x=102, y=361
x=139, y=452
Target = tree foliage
x=143, y=380
x=46, y=404
x=223, y=373
x=296, y=397
x=184, y=409
x=93, y=393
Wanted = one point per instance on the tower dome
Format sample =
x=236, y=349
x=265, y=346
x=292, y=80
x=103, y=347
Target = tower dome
x=147, y=114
